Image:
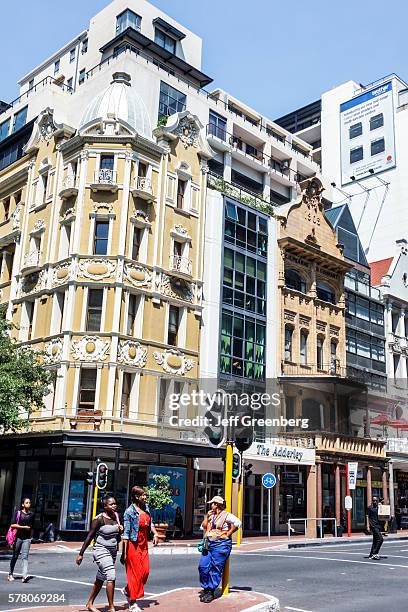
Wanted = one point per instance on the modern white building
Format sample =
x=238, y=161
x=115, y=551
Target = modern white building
x=358, y=133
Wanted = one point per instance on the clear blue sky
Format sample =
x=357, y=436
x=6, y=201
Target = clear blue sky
x=276, y=55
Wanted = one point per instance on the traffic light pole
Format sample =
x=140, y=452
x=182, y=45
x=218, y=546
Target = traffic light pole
x=228, y=504
x=240, y=492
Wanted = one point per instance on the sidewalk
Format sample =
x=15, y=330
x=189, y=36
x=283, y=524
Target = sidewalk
x=185, y=600
x=249, y=544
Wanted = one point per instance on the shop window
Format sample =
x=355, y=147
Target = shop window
x=87, y=390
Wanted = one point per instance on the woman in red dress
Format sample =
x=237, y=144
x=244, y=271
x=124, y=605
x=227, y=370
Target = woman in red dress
x=135, y=552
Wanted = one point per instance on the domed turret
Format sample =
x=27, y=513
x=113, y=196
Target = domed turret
x=119, y=102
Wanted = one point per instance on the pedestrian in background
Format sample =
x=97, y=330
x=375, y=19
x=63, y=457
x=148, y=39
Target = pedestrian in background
x=218, y=527
x=105, y=531
x=24, y=522
x=375, y=528
x=135, y=552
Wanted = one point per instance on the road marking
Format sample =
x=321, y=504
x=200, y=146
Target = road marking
x=344, y=552
x=328, y=559
x=297, y=609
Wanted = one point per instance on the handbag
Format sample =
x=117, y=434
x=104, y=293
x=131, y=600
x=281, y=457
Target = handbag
x=384, y=511
x=204, y=545
x=11, y=535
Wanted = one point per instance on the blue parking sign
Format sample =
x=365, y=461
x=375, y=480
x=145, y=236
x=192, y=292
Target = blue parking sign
x=269, y=481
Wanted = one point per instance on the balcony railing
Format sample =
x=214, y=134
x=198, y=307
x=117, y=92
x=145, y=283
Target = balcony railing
x=180, y=264
x=397, y=445
x=69, y=187
x=32, y=260
x=142, y=188
x=105, y=179
x=332, y=369
x=244, y=195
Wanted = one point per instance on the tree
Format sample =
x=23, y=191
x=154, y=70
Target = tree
x=158, y=495
x=24, y=381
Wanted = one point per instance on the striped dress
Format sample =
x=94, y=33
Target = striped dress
x=105, y=550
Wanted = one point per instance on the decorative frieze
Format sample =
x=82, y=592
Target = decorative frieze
x=96, y=269
x=289, y=316
x=90, y=348
x=62, y=273
x=321, y=326
x=53, y=350
x=138, y=275
x=177, y=289
x=32, y=283
x=173, y=361
x=132, y=353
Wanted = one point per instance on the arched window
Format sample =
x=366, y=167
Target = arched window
x=325, y=292
x=293, y=280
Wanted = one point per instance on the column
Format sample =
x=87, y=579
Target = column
x=318, y=489
x=369, y=500
x=384, y=486
x=311, y=501
x=266, y=186
x=337, y=499
x=391, y=488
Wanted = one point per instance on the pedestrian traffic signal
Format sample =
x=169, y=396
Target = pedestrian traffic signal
x=214, y=431
x=101, y=476
x=90, y=476
x=243, y=431
x=236, y=465
x=248, y=469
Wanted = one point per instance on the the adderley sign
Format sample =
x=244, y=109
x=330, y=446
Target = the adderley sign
x=279, y=453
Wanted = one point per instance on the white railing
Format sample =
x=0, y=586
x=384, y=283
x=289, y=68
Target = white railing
x=32, y=260
x=397, y=445
x=180, y=264
x=142, y=183
x=105, y=176
x=69, y=182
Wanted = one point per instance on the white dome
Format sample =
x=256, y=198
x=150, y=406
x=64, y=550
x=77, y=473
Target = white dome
x=119, y=101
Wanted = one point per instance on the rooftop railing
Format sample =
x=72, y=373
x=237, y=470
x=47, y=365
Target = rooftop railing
x=46, y=82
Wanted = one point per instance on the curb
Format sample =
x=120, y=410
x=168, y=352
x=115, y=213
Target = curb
x=268, y=606
x=342, y=542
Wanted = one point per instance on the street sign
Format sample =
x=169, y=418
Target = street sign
x=352, y=474
x=269, y=480
x=348, y=502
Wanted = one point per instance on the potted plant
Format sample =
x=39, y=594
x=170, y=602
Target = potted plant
x=158, y=497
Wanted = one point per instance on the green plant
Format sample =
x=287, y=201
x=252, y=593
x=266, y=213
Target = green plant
x=158, y=494
x=162, y=121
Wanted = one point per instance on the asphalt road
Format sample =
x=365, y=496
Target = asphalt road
x=319, y=579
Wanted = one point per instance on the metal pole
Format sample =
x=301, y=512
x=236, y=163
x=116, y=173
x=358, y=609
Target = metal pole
x=228, y=503
x=94, y=504
x=269, y=514
x=240, y=509
x=348, y=493
x=116, y=472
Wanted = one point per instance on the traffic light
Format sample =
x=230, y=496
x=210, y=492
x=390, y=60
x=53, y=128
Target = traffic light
x=215, y=433
x=90, y=476
x=243, y=432
x=248, y=469
x=236, y=465
x=101, y=476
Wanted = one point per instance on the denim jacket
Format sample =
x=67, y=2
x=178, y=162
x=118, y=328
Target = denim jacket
x=130, y=524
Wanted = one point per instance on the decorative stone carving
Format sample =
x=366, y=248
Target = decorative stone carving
x=39, y=227
x=321, y=326
x=305, y=321
x=90, y=348
x=140, y=218
x=102, y=206
x=53, y=350
x=62, y=273
x=132, y=353
x=188, y=131
x=138, y=275
x=96, y=269
x=334, y=330
x=84, y=155
x=181, y=232
x=289, y=316
x=178, y=289
x=34, y=282
x=43, y=130
x=173, y=361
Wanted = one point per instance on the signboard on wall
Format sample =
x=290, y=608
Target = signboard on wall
x=177, y=485
x=280, y=453
x=367, y=136
x=352, y=474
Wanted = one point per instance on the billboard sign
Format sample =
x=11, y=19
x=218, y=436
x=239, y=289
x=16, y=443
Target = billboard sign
x=367, y=137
